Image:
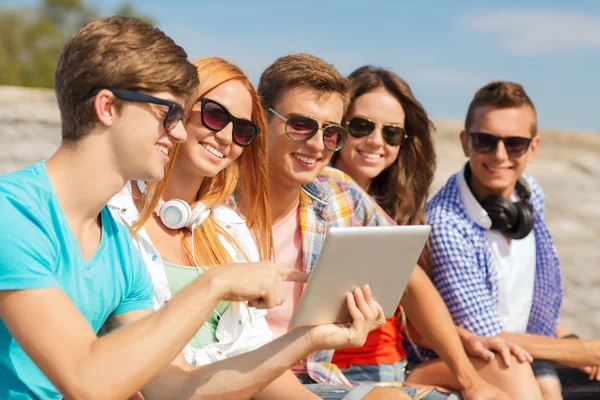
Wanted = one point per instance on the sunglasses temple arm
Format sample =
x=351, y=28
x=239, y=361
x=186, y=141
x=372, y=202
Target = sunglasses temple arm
x=279, y=115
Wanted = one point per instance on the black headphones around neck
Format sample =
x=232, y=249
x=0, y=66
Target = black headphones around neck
x=515, y=220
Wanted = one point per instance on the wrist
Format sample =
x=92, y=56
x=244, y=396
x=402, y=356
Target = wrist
x=215, y=284
x=467, y=378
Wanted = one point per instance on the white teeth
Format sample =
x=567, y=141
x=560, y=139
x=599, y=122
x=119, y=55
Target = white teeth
x=212, y=150
x=496, y=169
x=305, y=159
x=371, y=156
x=162, y=149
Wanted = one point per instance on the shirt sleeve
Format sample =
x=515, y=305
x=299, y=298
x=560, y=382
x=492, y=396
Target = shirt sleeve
x=141, y=291
x=28, y=254
x=462, y=281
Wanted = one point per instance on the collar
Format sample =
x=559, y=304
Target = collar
x=317, y=192
x=122, y=203
x=474, y=211
x=472, y=207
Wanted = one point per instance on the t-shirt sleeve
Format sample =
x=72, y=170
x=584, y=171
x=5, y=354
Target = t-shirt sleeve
x=28, y=254
x=141, y=291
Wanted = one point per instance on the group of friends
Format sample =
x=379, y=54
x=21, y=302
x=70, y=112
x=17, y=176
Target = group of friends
x=151, y=255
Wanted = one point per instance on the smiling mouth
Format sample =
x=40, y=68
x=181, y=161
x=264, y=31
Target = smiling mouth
x=491, y=169
x=212, y=150
x=162, y=149
x=370, y=156
x=304, y=159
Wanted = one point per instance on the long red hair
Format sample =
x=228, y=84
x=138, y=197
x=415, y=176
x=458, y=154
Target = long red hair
x=247, y=178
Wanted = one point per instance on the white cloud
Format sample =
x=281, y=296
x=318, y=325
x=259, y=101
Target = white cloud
x=538, y=32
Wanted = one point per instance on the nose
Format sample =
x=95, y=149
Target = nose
x=178, y=134
x=376, y=137
x=316, y=142
x=225, y=135
x=500, y=152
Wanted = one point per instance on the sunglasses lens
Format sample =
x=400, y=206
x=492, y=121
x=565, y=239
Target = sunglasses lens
x=244, y=132
x=173, y=117
x=360, y=127
x=516, y=146
x=393, y=135
x=301, y=128
x=484, y=142
x=334, y=137
x=214, y=116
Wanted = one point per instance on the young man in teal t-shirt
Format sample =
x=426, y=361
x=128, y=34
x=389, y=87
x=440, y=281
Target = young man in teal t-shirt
x=67, y=268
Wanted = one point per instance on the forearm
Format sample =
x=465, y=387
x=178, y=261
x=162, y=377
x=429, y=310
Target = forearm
x=427, y=311
x=573, y=352
x=132, y=355
x=238, y=377
x=287, y=386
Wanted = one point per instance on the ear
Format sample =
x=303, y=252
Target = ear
x=105, y=112
x=464, y=141
x=533, y=148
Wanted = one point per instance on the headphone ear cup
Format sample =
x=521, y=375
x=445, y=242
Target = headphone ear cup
x=175, y=214
x=503, y=213
x=525, y=222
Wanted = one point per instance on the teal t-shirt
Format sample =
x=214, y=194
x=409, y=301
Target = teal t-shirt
x=39, y=250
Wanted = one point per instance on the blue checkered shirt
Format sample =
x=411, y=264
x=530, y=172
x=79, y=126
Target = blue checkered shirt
x=465, y=275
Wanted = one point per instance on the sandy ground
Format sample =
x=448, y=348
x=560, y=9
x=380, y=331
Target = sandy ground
x=567, y=166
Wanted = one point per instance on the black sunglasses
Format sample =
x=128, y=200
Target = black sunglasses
x=301, y=128
x=393, y=134
x=175, y=114
x=216, y=117
x=486, y=143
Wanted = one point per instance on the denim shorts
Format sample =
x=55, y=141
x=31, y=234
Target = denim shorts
x=357, y=372
x=575, y=384
x=335, y=392
x=376, y=372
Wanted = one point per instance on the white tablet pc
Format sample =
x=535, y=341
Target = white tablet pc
x=382, y=257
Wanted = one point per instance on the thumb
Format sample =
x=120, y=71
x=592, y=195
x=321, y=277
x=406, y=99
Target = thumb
x=293, y=275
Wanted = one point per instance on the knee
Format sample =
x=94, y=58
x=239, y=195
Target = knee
x=517, y=380
x=387, y=393
x=550, y=387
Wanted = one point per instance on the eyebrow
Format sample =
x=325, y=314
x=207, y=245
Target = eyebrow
x=383, y=123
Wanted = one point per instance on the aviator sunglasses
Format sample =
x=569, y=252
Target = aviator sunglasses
x=486, y=143
x=175, y=114
x=393, y=134
x=216, y=117
x=301, y=128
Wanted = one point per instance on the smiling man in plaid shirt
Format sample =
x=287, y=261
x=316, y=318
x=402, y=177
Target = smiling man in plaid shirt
x=305, y=99
x=500, y=275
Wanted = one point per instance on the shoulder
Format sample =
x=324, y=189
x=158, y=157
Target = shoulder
x=446, y=214
x=336, y=182
x=445, y=204
x=26, y=197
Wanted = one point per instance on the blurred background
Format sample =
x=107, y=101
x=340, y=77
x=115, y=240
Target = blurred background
x=444, y=50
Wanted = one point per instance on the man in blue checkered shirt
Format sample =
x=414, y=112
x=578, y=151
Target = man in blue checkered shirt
x=494, y=260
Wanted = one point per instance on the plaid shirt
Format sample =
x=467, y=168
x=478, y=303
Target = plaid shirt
x=333, y=199
x=465, y=274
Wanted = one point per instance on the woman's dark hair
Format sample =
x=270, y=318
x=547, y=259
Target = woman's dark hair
x=402, y=188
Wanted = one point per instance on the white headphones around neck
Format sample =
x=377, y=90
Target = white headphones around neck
x=177, y=214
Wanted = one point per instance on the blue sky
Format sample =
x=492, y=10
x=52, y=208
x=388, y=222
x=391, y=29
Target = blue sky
x=445, y=50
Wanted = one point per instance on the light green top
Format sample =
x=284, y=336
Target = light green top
x=178, y=277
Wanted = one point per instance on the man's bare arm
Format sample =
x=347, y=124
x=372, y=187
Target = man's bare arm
x=572, y=352
x=115, y=366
